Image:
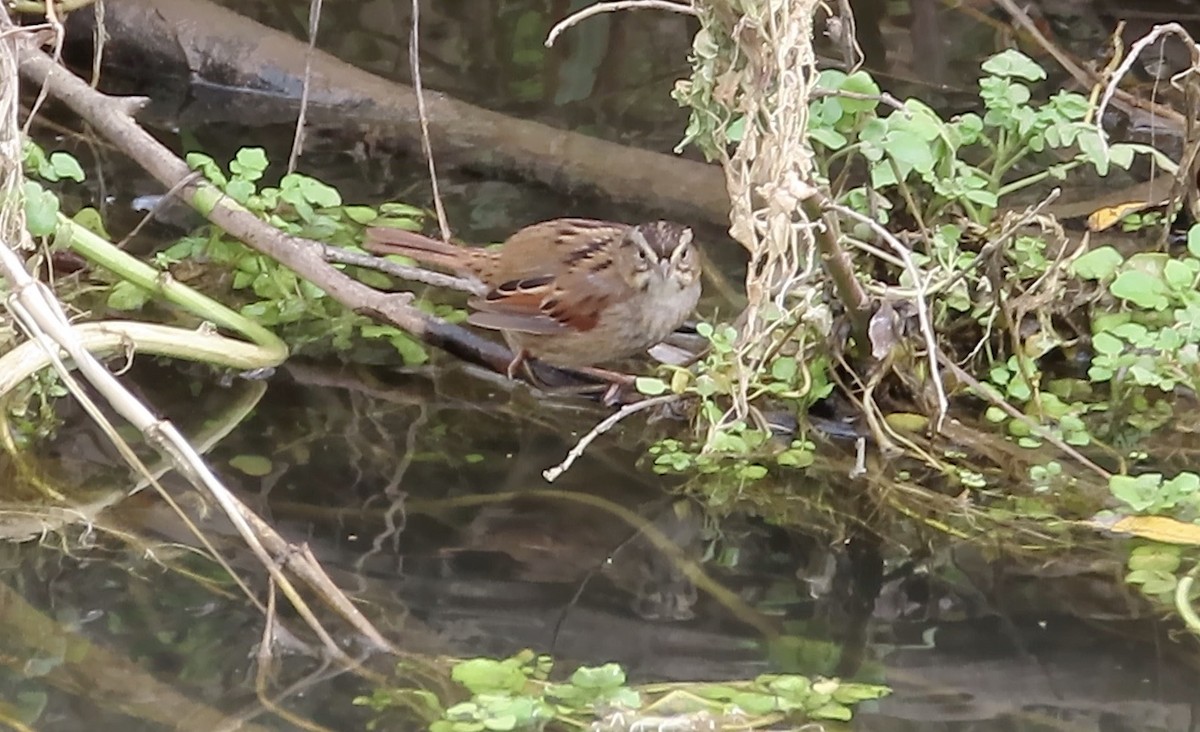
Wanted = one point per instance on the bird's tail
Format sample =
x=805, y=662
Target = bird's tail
x=383, y=240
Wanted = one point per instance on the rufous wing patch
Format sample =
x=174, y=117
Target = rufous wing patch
x=580, y=313
x=537, y=305
x=517, y=306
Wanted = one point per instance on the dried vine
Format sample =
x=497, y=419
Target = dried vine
x=754, y=72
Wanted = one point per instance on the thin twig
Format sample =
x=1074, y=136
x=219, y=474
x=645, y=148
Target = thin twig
x=612, y=7
x=989, y=393
x=1127, y=101
x=53, y=22
x=552, y=474
x=99, y=39
x=921, y=286
x=415, y=274
x=163, y=201
x=314, y=24
x=1010, y=230
x=1135, y=51
x=414, y=60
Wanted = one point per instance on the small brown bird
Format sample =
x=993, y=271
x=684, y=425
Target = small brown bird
x=571, y=292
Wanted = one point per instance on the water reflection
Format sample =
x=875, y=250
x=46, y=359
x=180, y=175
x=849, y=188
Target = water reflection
x=421, y=493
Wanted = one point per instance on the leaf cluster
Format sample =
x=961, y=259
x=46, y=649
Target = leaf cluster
x=516, y=694
x=941, y=187
x=304, y=207
x=735, y=448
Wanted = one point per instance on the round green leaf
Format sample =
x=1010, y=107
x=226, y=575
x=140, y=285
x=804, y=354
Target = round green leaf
x=66, y=166
x=1098, y=264
x=651, y=386
x=1014, y=63
x=252, y=465
x=127, y=296
x=41, y=209
x=1141, y=289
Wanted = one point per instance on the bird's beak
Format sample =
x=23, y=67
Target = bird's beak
x=664, y=265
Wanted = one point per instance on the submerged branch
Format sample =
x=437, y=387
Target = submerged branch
x=212, y=42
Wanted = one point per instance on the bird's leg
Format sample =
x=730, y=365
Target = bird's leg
x=520, y=358
x=612, y=395
x=616, y=381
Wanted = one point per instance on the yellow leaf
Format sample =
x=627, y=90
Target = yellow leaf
x=1108, y=216
x=907, y=421
x=1159, y=528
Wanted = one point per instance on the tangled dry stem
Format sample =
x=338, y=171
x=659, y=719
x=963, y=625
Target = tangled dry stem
x=768, y=176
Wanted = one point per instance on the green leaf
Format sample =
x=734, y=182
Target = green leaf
x=828, y=137
x=1178, y=276
x=41, y=209
x=755, y=703
x=1140, y=492
x=910, y=152
x=249, y=163
x=66, y=166
x=1153, y=582
x=1140, y=288
x=860, y=83
x=127, y=296
x=401, y=210
x=1093, y=150
x=855, y=693
x=784, y=368
x=832, y=710
x=795, y=458
x=90, y=219
x=753, y=472
x=651, y=386
x=1193, y=240
x=482, y=675
x=253, y=465
x=410, y=349
x=1100, y=263
x=502, y=723
x=736, y=129
x=360, y=214
x=1107, y=344
x=35, y=157
x=608, y=676
x=625, y=697
x=1014, y=63
x=790, y=685
x=1155, y=557
x=207, y=166
x=1121, y=155
x=321, y=195
x=240, y=190
x=1182, y=485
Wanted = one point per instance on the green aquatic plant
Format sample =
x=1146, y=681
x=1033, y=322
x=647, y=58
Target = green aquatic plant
x=517, y=694
x=304, y=207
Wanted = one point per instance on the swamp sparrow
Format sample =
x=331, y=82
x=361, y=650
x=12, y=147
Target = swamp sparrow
x=571, y=292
